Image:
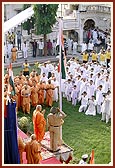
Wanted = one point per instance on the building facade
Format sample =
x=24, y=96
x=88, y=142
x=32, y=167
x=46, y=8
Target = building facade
x=77, y=18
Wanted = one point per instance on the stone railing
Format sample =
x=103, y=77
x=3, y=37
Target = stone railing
x=67, y=24
x=98, y=8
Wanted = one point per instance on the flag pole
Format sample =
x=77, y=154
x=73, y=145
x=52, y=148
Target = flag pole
x=60, y=60
x=60, y=77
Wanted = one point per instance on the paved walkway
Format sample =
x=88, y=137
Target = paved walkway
x=32, y=60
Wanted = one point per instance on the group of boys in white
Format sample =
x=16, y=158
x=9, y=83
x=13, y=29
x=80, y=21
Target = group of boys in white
x=86, y=84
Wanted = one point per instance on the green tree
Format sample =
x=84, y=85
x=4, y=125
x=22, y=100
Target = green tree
x=45, y=18
x=29, y=24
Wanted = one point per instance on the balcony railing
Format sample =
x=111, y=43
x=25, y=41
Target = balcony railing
x=98, y=8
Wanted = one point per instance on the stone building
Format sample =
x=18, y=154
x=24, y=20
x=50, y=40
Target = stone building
x=77, y=18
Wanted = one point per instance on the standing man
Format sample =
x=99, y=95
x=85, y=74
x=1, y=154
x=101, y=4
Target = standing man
x=25, y=93
x=49, y=47
x=19, y=39
x=108, y=57
x=10, y=46
x=14, y=53
x=99, y=98
x=26, y=67
x=34, y=45
x=25, y=49
x=39, y=123
x=54, y=47
x=49, y=93
x=41, y=47
x=54, y=122
x=75, y=44
x=85, y=57
x=21, y=148
x=5, y=51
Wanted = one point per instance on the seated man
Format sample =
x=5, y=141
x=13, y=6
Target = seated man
x=84, y=159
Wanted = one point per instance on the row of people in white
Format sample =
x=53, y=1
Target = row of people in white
x=79, y=78
x=85, y=101
x=83, y=84
x=89, y=106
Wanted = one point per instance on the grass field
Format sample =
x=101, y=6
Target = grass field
x=82, y=133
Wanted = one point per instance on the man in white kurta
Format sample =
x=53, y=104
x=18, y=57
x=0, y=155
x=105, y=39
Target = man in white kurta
x=75, y=44
x=44, y=78
x=83, y=86
x=69, y=41
x=83, y=47
x=99, y=99
x=106, y=85
x=10, y=46
x=74, y=95
x=90, y=89
x=91, y=106
x=106, y=108
x=84, y=102
x=55, y=91
x=68, y=89
x=25, y=49
x=44, y=69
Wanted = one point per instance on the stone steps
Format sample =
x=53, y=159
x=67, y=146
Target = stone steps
x=20, y=53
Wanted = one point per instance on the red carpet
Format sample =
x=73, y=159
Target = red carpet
x=48, y=157
x=51, y=160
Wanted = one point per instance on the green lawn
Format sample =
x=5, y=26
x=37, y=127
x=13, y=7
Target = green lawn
x=82, y=133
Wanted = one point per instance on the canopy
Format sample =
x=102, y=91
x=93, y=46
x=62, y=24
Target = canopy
x=18, y=19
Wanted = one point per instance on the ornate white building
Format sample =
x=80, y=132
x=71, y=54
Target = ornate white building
x=77, y=18
x=77, y=21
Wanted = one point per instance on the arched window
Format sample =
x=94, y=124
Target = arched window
x=89, y=24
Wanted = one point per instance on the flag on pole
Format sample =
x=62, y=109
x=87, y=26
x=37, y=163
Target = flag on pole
x=92, y=157
x=11, y=81
x=62, y=62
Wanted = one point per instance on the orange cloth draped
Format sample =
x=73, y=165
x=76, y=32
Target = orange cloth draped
x=26, y=100
x=41, y=88
x=14, y=50
x=21, y=148
x=39, y=123
x=49, y=94
x=33, y=155
x=34, y=96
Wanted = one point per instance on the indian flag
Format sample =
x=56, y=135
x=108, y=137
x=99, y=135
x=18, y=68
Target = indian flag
x=62, y=61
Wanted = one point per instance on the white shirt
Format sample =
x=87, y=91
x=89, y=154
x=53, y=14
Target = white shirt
x=82, y=162
x=84, y=47
x=84, y=100
x=24, y=47
x=44, y=70
x=41, y=45
x=75, y=45
x=90, y=46
x=99, y=97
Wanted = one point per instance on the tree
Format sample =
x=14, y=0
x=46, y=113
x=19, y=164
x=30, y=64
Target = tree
x=45, y=18
x=29, y=24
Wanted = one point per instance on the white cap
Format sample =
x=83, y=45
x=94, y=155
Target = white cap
x=85, y=156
